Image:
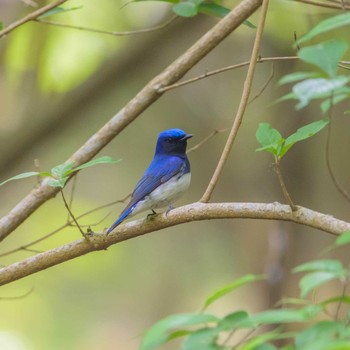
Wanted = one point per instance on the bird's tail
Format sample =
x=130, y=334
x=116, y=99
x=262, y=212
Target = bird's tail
x=121, y=218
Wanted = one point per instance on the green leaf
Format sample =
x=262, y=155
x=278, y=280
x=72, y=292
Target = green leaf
x=269, y=138
x=293, y=77
x=209, y=8
x=259, y=342
x=230, y=287
x=327, y=265
x=325, y=55
x=286, y=315
x=310, y=89
x=303, y=133
x=101, y=160
x=62, y=170
x=326, y=104
x=57, y=182
x=325, y=26
x=344, y=238
x=186, y=9
x=1, y=25
x=203, y=339
x=318, y=334
x=234, y=321
x=159, y=333
x=21, y=176
x=249, y=24
x=315, y=279
x=340, y=298
x=58, y=10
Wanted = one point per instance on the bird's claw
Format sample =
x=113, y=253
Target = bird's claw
x=152, y=215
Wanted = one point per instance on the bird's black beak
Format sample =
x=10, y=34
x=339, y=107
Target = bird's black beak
x=186, y=137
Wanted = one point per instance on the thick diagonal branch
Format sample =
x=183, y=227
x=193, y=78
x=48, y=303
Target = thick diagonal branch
x=188, y=213
x=149, y=94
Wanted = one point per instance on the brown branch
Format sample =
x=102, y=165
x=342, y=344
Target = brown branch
x=242, y=105
x=32, y=16
x=99, y=31
x=187, y=213
x=225, y=69
x=62, y=227
x=148, y=95
x=206, y=139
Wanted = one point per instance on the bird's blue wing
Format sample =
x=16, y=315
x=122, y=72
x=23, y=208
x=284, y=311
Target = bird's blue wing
x=160, y=171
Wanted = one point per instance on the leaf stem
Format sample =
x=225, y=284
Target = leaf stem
x=283, y=185
x=72, y=215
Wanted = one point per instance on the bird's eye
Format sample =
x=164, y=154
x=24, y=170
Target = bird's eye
x=170, y=140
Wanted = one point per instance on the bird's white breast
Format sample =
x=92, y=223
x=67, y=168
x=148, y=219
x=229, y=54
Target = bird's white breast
x=165, y=194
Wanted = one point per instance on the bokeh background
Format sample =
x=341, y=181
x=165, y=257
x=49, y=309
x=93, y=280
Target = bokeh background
x=58, y=86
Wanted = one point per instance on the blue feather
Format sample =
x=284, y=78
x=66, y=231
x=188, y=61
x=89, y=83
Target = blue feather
x=169, y=162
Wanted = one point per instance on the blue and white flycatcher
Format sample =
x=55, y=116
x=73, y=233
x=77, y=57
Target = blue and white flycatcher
x=166, y=179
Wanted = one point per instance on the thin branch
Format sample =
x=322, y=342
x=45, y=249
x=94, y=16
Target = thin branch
x=32, y=16
x=325, y=4
x=148, y=95
x=72, y=215
x=206, y=139
x=268, y=81
x=99, y=31
x=187, y=213
x=285, y=192
x=337, y=185
x=336, y=316
x=242, y=105
x=19, y=296
x=225, y=69
x=68, y=223
x=72, y=196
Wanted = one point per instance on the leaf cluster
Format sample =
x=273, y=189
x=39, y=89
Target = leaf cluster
x=207, y=331
x=324, y=82
x=59, y=175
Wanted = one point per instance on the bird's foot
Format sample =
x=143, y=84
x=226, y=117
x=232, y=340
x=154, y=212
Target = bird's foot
x=151, y=216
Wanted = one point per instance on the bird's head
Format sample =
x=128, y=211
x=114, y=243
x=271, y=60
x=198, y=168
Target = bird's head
x=173, y=141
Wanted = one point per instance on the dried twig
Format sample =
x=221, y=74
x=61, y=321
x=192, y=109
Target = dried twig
x=32, y=16
x=99, y=31
x=242, y=105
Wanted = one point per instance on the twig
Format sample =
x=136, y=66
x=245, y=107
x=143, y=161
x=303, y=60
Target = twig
x=187, y=213
x=242, y=105
x=224, y=69
x=26, y=246
x=72, y=215
x=338, y=186
x=324, y=4
x=30, y=17
x=283, y=186
x=336, y=316
x=19, y=296
x=132, y=32
x=72, y=196
x=265, y=85
x=206, y=139
x=148, y=95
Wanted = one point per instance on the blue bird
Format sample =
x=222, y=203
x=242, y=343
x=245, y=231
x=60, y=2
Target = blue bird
x=166, y=179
